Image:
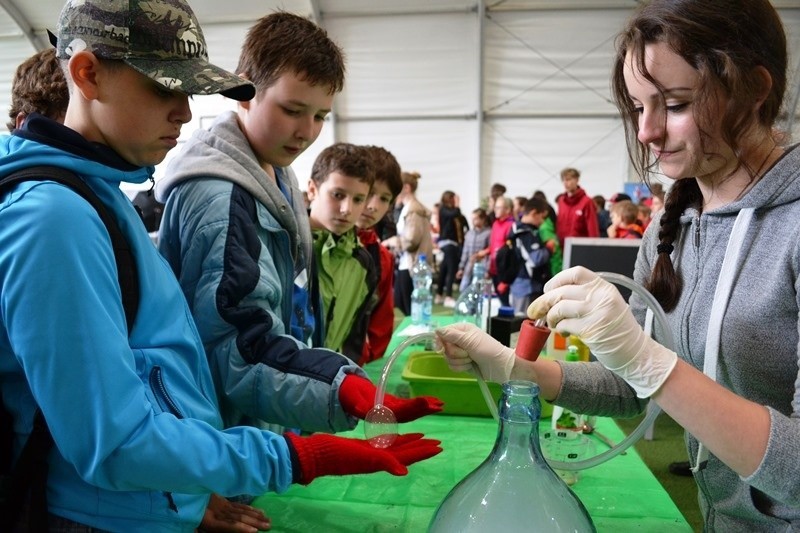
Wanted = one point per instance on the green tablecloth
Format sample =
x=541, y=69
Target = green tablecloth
x=620, y=495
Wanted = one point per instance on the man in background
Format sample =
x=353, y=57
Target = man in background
x=577, y=215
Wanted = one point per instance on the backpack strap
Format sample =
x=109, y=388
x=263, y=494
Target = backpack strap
x=126, y=266
x=29, y=475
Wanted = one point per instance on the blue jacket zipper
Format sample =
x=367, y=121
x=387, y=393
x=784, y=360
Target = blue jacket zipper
x=158, y=387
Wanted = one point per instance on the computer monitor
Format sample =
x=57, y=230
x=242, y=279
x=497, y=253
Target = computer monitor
x=603, y=255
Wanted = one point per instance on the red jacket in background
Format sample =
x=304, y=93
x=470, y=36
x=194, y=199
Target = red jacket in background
x=577, y=216
x=381, y=320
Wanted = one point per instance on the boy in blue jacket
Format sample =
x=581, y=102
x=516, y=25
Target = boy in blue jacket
x=139, y=442
x=534, y=270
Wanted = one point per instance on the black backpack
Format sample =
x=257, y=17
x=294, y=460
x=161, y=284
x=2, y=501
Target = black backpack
x=26, y=480
x=508, y=261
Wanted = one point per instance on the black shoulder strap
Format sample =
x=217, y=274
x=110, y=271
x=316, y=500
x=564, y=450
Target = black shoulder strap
x=123, y=255
x=27, y=480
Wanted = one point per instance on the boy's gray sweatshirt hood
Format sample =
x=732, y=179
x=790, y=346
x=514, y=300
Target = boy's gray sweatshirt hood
x=223, y=152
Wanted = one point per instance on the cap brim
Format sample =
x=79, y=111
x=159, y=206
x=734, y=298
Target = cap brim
x=195, y=76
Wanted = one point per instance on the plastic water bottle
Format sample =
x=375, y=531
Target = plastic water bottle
x=470, y=303
x=421, y=297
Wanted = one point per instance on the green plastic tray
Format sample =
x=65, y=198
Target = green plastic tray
x=427, y=374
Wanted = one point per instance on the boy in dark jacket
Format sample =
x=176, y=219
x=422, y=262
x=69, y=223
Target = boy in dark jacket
x=534, y=268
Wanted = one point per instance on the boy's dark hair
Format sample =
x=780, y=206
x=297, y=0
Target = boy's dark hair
x=281, y=42
x=39, y=86
x=497, y=189
x=386, y=167
x=535, y=204
x=349, y=159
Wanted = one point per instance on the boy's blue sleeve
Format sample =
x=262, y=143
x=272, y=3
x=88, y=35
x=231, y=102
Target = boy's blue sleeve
x=238, y=282
x=64, y=327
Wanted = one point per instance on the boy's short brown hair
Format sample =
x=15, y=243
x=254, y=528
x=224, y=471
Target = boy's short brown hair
x=570, y=172
x=387, y=169
x=349, y=159
x=281, y=42
x=626, y=210
x=39, y=86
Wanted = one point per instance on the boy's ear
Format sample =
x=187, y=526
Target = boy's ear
x=244, y=104
x=83, y=69
x=312, y=190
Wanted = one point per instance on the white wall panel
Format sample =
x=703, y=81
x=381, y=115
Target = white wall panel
x=550, y=62
x=13, y=53
x=529, y=154
x=408, y=65
x=442, y=151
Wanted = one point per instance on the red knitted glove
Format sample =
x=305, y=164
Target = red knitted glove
x=328, y=455
x=357, y=396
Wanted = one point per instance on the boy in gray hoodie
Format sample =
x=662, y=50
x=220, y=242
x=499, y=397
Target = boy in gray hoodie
x=236, y=233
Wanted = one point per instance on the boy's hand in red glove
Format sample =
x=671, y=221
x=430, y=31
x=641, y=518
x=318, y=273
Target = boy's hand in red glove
x=357, y=396
x=328, y=455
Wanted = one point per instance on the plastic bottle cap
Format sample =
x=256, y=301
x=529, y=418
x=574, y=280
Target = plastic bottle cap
x=505, y=311
x=572, y=354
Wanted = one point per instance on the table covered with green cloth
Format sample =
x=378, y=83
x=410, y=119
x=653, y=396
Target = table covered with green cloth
x=620, y=495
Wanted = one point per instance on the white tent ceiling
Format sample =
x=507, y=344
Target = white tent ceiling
x=467, y=92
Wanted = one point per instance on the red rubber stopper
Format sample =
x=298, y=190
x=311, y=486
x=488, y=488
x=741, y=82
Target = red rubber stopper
x=532, y=339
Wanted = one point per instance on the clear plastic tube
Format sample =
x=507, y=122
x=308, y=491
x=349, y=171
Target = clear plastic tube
x=637, y=433
x=487, y=395
x=380, y=424
x=379, y=420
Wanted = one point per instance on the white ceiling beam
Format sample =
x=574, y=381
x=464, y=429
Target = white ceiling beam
x=38, y=41
x=316, y=14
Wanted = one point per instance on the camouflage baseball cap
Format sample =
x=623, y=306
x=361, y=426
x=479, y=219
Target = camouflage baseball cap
x=159, y=38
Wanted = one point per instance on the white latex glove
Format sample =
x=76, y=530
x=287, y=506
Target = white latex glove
x=577, y=301
x=465, y=343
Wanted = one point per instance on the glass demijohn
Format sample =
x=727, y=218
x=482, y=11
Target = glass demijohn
x=514, y=489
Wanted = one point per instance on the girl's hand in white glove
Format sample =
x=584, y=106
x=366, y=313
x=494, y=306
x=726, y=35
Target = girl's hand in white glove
x=577, y=301
x=465, y=343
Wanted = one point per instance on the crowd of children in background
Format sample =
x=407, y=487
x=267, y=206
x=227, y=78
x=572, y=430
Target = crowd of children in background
x=530, y=225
